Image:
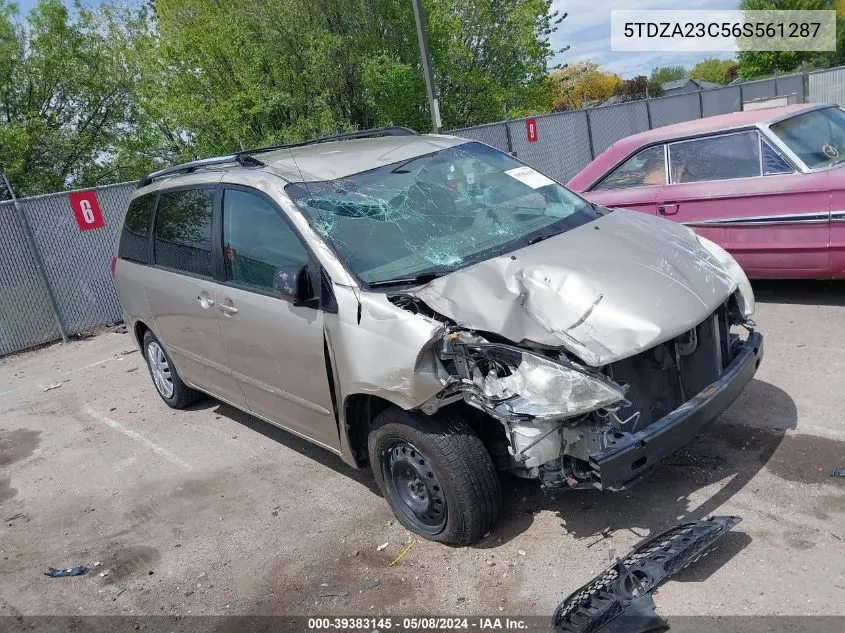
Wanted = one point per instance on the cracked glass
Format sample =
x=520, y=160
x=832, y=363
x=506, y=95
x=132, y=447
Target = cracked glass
x=436, y=213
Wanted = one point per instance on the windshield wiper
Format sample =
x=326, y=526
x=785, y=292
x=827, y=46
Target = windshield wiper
x=421, y=278
x=543, y=236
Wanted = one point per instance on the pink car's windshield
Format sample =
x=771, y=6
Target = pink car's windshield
x=816, y=137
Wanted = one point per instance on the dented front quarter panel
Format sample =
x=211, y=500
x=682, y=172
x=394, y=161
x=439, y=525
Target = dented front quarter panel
x=388, y=354
x=603, y=291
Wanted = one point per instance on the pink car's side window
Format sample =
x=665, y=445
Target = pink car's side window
x=720, y=157
x=645, y=168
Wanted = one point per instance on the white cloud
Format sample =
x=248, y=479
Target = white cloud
x=587, y=31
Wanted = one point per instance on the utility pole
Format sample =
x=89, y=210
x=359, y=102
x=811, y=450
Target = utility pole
x=422, y=37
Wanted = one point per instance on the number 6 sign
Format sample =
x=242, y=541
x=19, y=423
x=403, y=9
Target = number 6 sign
x=87, y=210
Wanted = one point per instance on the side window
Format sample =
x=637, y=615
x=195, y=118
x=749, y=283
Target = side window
x=773, y=162
x=715, y=158
x=134, y=239
x=183, y=230
x=256, y=240
x=647, y=167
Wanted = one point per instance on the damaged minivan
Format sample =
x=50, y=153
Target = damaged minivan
x=436, y=309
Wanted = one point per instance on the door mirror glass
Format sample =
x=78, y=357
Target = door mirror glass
x=291, y=283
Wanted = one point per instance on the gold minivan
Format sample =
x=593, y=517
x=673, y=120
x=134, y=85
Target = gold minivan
x=438, y=309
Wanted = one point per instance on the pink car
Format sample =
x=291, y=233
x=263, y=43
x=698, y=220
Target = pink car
x=767, y=185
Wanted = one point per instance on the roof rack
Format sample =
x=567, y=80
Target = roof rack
x=245, y=158
x=393, y=130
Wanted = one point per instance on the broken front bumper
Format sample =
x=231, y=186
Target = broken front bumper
x=633, y=455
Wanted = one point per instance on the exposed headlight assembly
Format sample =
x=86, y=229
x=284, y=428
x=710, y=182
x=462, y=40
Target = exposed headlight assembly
x=519, y=383
x=746, y=294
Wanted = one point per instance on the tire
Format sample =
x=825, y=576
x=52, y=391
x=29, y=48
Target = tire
x=175, y=393
x=436, y=474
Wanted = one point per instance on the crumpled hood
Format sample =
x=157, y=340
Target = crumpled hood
x=603, y=291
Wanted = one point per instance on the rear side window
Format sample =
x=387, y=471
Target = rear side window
x=257, y=241
x=716, y=158
x=183, y=230
x=134, y=239
x=774, y=163
x=643, y=169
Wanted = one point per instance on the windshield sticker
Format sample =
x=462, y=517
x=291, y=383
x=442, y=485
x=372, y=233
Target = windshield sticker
x=530, y=177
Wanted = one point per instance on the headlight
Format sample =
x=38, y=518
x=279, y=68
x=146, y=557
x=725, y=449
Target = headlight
x=746, y=294
x=543, y=389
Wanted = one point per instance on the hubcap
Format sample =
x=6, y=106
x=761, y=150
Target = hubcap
x=412, y=487
x=160, y=370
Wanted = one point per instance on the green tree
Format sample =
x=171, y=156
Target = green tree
x=240, y=73
x=89, y=96
x=67, y=99
x=766, y=63
x=668, y=73
x=714, y=70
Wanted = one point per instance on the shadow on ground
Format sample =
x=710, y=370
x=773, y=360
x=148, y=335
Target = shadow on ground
x=800, y=291
x=293, y=442
x=732, y=451
x=749, y=436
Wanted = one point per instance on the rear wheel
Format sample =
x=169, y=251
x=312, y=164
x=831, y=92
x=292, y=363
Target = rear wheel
x=173, y=391
x=436, y=474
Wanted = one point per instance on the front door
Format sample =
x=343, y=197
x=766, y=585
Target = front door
x=182, y=294
x=275, y=349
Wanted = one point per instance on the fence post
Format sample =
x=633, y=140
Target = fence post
x=36, y=255
x=741, y=98
x=590, y=134
x=648, y=111
x=508, y=137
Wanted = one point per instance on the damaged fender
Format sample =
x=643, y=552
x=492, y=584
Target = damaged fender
x=382, y=351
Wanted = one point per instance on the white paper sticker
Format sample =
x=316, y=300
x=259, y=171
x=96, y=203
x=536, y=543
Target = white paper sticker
x=530, y=177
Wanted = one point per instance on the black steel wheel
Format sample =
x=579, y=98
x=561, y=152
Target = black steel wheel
x=435, y=473
x=412, y=487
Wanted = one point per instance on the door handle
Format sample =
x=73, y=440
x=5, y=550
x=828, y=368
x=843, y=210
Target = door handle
x=668, y=208
x=205, y=301
x=228, y=310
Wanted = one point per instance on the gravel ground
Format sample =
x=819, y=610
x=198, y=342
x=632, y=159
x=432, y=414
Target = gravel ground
x=210, y=511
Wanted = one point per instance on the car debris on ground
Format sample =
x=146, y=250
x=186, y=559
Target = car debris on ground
x=619, y=599
x=402, y=553
x=52, y=572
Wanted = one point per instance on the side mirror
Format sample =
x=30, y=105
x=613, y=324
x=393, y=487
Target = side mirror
x=291, y=283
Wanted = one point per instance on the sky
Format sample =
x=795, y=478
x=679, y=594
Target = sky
x=587, y=31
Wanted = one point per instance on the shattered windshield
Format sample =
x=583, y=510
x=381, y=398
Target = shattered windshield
x=816, y=137
x=437, y=213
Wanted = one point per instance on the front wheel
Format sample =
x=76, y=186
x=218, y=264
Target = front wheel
x=436, y=474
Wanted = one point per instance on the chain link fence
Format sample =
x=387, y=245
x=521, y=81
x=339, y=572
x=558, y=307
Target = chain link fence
x=566, y=142
x=76, y=268
x=72, y=266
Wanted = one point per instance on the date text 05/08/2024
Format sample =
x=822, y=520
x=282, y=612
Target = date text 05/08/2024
x=402, y=624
